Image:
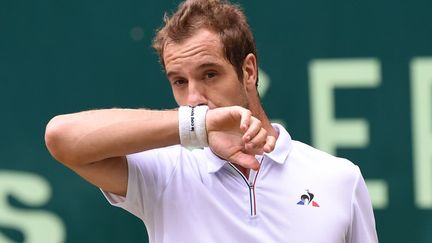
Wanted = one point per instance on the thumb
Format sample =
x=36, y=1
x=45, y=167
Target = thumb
x=245, y=160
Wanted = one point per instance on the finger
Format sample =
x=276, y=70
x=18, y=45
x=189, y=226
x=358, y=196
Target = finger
x=270, y=144
x=245, y=119
x=245, y=160
x=256, y=145
x=253, y=130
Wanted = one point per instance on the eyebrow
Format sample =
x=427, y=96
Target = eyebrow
x=201, y=66
x=172, y=73
x=209, y=64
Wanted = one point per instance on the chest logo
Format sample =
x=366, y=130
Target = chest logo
x=307, y=199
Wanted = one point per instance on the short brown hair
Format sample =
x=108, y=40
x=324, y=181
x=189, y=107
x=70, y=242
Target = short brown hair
x=224, y=18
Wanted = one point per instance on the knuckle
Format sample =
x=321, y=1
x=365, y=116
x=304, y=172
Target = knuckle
x=259, y=123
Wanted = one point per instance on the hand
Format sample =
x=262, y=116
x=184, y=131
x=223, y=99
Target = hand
x=235, y=135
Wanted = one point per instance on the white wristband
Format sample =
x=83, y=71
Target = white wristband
x=192, y=126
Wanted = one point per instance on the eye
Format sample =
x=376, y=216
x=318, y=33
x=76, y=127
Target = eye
x=179, y=82
x=210, y=75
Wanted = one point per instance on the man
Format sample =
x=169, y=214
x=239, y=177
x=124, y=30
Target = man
x=249, y=183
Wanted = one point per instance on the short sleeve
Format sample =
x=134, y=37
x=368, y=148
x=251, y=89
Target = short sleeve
x=362, y=228
x=149, y=173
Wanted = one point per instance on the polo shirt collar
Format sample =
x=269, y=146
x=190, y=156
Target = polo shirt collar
x=279, y=154
x=283, y=145
x=214, y=163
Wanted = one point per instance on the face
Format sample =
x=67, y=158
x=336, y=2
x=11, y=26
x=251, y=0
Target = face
x=199, y=74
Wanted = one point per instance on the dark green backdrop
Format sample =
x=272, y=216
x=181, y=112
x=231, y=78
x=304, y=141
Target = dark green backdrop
x=66, y=56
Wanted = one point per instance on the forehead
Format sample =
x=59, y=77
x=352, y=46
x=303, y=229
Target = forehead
x=203, y=44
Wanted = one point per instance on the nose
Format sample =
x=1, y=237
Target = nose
x=196, y=94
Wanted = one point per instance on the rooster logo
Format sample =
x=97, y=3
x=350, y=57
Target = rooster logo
x=307, y=199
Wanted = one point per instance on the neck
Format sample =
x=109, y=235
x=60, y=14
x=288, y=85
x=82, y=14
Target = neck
x=258, y=112
x=243, y=170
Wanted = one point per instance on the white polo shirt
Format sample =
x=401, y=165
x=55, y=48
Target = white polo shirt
x=300, y=194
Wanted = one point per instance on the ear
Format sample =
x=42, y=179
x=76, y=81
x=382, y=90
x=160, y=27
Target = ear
x=250, y=71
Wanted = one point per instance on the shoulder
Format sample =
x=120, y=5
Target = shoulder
x=175, y=152
x=321, y=163
x=175, y=157
x=164, y=154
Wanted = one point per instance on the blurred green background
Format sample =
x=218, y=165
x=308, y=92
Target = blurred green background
x=353, y=78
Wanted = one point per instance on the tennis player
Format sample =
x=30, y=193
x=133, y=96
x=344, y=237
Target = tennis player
x=245, y=181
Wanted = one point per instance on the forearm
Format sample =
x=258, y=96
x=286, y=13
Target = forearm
x=91, y=136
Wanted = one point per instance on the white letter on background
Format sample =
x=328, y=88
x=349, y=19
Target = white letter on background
x=329, y=133
x=421, y=108
x=37, y=226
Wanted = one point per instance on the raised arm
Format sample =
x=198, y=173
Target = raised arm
x=95, y=143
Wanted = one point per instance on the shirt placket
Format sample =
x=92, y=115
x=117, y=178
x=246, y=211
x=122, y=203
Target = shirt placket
x=251, y=185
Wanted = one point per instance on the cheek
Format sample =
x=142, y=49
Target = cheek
x=230, y=95
x=178, y=98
